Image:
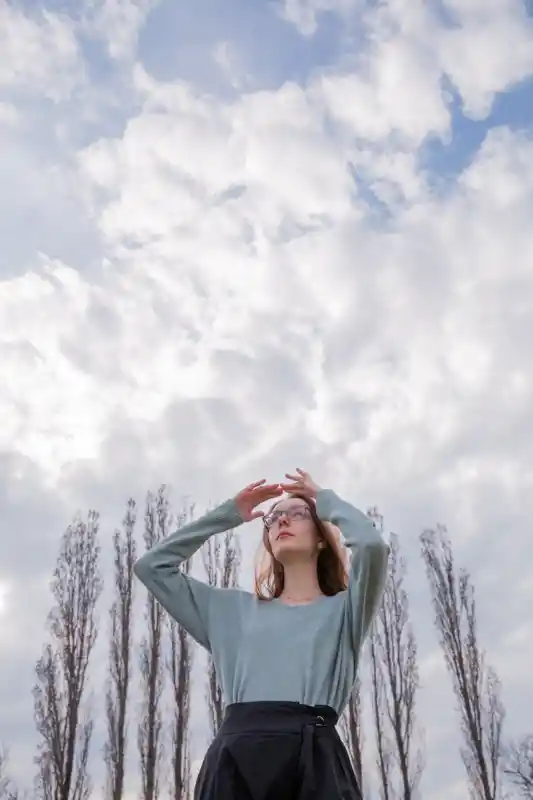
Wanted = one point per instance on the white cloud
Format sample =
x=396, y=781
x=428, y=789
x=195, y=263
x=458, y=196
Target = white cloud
x=34, y=366
x=4, y=592
x=490, y=50
x=399, y=96
x=304, y=14
x=253, y=312
x=222, y=164
x=9, y=115
x=40, y=52
x=117, y=22
x=227, y=57
x=481, y=48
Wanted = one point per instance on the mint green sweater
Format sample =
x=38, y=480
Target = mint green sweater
x=267, y=650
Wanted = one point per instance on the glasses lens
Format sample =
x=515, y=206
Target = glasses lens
x=294, y=512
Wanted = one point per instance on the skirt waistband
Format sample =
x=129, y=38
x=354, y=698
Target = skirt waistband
x=276, y=716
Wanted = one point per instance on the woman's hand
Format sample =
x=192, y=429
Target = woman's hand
x=302, y=484
x=253, y=495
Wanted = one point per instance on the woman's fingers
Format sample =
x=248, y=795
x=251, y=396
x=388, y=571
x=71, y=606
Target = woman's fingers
x=260, y=494
x=271, y=490
x=293, y=487
x=270, y=487
x=295, y=478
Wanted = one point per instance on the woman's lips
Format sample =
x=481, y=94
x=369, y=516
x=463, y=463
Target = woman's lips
x=284, y=534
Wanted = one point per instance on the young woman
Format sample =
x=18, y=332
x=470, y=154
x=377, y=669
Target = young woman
x=286, y=656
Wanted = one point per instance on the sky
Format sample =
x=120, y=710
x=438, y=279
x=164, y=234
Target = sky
x=239, y=238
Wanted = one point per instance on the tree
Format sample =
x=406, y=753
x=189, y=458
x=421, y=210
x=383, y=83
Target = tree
x=62, y=670
x=476, y=685
x=395, y=679
x=120, y=655
x=383, y=744
x=350, y=730
x=518, y=765
x=179, y=667
x=222, y=560
x=149, y=737
x=8, y=791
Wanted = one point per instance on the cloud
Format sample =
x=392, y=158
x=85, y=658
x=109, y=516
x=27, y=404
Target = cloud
x=227, y=57
x=304, y=14
x=40, y=52
x=8, y=114
x=411, y=51
x=486, y=50
x=117, y=22
x=230, y=287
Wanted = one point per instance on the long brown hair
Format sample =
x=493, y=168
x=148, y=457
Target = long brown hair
x=332, y=564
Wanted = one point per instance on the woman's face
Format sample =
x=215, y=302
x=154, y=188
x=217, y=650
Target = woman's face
x=292, y=533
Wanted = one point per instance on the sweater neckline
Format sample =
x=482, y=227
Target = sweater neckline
x=280, y=602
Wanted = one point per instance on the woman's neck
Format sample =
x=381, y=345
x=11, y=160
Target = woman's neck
x=300, y=582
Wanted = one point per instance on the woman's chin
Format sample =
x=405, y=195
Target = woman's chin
x=289, y=553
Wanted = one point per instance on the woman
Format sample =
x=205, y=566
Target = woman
x=286, y=657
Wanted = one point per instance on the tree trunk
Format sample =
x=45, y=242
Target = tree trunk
x=151, y=664
x=179, y=667
x=395, y=667
x=383, y=745
x=120, y=656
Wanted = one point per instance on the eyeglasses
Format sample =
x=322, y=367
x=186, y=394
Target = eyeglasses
x=293, y=513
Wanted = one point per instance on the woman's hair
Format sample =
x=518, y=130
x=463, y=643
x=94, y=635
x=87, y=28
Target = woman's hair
x=332, y=564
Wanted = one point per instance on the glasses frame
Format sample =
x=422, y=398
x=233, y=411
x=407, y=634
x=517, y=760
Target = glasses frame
x=289, y=512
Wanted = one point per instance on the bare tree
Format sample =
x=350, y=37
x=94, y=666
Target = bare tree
x=179, y=667
x=350, y=731
x=518, y=765
x=396, y=677
x=8, y=791
x=64, y=731
x=383, y=744
x=120, y=655
x=149, y=736
x=476, y=686
x=222, y=561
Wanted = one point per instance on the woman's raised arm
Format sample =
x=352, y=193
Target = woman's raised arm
x=186, y=599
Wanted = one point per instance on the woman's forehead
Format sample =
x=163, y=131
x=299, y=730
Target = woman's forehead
x=287, y=502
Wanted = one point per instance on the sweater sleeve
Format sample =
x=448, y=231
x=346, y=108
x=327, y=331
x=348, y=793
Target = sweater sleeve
x=368, y=565
x=186, y=599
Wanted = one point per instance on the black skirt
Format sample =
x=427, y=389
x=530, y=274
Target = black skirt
x=277, y=751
